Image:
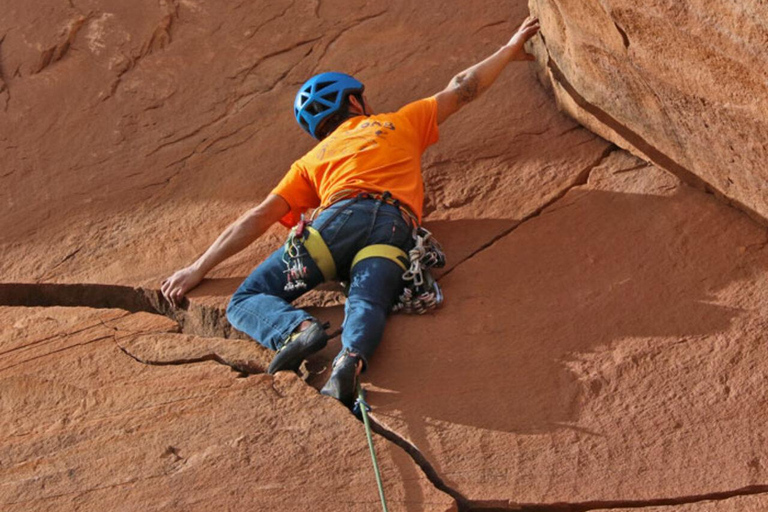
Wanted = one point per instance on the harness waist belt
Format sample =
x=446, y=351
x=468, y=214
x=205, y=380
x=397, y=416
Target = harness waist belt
x=321, y=255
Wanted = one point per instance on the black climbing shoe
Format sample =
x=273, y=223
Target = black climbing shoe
x=297, y=347
x=343, y=381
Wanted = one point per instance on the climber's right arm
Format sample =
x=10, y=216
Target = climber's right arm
x=238, y=235
x=470, y=83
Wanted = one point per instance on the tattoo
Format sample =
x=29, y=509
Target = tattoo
x=466, y=86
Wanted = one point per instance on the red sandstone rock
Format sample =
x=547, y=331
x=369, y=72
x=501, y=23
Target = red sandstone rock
x=86, y=427
x=680, y=83
x=609, y=350
x=757, y=503
x=153, y=126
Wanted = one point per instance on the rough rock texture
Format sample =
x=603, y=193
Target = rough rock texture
x=87, y=427
x=681, y=83
x=601, y=344
x=609, y=350
x=153, y=125
x=757, y=503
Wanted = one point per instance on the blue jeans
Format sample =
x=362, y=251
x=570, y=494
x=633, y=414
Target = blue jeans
x=262, y=308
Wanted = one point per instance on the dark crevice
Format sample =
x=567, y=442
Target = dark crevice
x=57, y=52
x=242, y=367
x=624, y=37
x=581, y=179
x=192, y=318
x=429, y=471
x=3, y=79
x=468, y=505
x=652, y=502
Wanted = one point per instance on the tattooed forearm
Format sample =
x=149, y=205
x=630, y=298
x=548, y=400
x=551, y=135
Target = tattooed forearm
x=466, y=86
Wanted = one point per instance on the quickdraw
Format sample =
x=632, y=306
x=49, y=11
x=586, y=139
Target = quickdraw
x=296, y=270
x=422, y=293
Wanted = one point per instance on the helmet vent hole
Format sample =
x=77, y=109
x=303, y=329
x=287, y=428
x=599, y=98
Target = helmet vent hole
x=322, y=85
x=330, y=97
x=316, y=108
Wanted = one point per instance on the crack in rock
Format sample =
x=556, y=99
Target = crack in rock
x=244, y=368
x=244, y=73
x=651, y=502
x=196, y=319
x=579, y=180
x=57, y=52
x=469, y=505
x=212, y=320
x=161, y=36
x=353, y=24
x=426, y=467
x=4, y=89
x=160, y=39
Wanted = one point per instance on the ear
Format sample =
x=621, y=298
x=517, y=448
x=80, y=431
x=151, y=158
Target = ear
x=354, y=104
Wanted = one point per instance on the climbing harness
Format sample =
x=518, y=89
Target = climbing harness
x=304, y=236
x=363, y=409
x=421, y=292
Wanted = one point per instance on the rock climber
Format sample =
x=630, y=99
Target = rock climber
x=363, y=179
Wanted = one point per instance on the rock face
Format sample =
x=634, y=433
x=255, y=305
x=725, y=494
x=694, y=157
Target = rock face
x=601, y=343
x=152, y=126
x=679, y=83
x=607, y=351
x=87, y=426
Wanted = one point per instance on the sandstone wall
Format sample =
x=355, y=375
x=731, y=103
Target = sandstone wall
x=680, y=83
x=602, y=341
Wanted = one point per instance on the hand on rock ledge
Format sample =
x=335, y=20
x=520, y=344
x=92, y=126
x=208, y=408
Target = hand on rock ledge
x=176, y=287
x=527, y=30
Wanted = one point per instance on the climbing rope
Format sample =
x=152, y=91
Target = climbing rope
x=364, y=408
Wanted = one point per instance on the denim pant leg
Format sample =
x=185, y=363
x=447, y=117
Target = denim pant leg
x=374, y=282
x=374, y=285
x=261, y=307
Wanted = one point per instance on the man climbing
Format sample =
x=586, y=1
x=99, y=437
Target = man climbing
x=364, y=181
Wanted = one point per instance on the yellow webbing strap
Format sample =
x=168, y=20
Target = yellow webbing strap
x=390, y=252
x=319, y=252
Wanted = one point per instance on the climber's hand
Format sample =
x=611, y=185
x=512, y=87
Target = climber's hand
x=526, y=31
x=176, y=287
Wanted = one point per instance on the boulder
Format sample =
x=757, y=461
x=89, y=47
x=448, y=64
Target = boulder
x=681, y=84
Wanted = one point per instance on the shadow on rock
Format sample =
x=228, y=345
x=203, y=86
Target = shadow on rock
x=597, y=269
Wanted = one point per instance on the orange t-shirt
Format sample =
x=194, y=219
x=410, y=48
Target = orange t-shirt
x=374, y=153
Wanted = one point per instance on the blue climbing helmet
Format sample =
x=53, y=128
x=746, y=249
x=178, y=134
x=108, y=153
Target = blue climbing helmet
x=322, y=96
